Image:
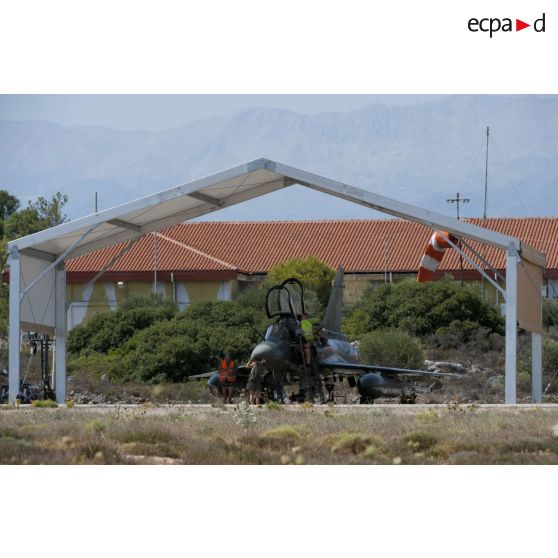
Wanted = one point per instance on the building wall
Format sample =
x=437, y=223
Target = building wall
x=106, y=296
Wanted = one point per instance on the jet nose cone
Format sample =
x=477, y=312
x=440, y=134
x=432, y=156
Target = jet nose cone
x=261, y=352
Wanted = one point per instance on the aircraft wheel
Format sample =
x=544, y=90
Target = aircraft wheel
x=408, y=399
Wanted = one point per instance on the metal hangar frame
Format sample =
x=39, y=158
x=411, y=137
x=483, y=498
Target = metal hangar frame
x=38, y=278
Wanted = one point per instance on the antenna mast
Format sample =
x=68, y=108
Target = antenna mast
x=486, y=175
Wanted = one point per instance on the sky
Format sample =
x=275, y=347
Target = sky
x=157, y=112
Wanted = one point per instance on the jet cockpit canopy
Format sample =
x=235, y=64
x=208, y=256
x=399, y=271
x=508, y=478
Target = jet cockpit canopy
x=286, y=300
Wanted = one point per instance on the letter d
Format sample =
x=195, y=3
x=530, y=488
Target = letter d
x=542, y=24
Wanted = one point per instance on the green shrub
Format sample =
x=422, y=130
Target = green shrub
x=354, y=442
x=116, y=364
x=550, y=355
x=391, y=348
x=420, y=440
x=550, y=313
x=355, y=324
x=282, y=434
x=423, y=309
x=166, y=352
x=48, y=403
x=109, y=330
x=155, y=345
x=528, y=445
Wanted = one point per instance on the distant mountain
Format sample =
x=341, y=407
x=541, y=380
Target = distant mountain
x=421, y=154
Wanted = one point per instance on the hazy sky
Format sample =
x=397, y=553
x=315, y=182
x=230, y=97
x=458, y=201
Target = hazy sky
x=168, y=111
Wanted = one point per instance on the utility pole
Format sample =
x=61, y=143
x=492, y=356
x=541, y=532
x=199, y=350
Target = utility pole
x=385, y=261
x=458, y=200
x=486, y=203
x=95, y=201
x=155, y=262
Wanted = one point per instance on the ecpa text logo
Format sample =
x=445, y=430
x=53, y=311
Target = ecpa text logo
x=494, y=24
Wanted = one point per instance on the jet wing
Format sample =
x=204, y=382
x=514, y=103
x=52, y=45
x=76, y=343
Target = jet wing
x=350, y=369
x=202, y=376
x=240, y=371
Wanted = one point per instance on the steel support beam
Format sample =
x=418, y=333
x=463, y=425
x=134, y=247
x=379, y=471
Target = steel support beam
x=14, y=338
x=397, y=208
x=200, y=196
x=60, y=324
x=125, y=225
x=483, y=260
x=536, y=366
x=512, y=259
x=473, y=263
x=39, y=254
x=60, y=258
x=128, y=246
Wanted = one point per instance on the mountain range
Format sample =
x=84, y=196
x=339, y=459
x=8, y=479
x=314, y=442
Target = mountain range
x=422, y=154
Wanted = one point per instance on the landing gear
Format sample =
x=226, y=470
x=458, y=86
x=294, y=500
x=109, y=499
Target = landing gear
x=310, y=383
x=408, y=398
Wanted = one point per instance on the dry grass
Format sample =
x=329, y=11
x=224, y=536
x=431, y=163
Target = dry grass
x=319, y=435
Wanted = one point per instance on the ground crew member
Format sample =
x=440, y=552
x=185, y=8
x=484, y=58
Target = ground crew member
x=227, y=370
x=306, y=325
x=254, y=385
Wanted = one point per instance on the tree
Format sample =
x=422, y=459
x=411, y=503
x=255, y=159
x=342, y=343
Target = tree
x=314, y=275
x=15, y=224
x=51, y=211
x=36, y=217
x=22, y=223
x=8, y=204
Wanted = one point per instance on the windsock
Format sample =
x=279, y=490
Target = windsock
x=433, y=254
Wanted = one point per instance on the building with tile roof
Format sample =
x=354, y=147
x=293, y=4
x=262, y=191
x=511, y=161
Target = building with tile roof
x=214, y=260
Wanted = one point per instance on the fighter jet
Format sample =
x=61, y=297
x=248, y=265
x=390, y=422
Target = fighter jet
x=333, y=358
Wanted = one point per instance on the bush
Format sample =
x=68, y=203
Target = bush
x=391, y=348
x=151, y=345
x=109, y=330
x=355, y=442
x=423, y=309
x=287, y=434
x=420, y=440
x=169, y=351
x=116, y=363
x=48, y=403
x=550, y=356
x=476, y=339
x=550, y=313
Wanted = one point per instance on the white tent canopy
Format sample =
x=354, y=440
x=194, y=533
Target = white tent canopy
x=37, y=276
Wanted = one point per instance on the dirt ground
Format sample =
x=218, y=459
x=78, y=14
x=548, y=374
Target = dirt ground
x=272, y=434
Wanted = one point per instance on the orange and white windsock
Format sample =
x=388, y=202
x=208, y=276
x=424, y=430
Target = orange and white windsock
x=433, y=254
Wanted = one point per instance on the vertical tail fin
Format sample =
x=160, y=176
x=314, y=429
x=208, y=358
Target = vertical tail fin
x=332, y=318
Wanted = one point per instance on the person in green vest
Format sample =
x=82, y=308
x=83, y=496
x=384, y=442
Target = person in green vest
x=307, y=326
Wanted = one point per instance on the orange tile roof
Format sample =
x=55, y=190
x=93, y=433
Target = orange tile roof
x=359, y=245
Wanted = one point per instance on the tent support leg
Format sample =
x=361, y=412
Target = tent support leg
x=60, y=324
x=536, y=366
x=512, y=259
x=14, y=341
